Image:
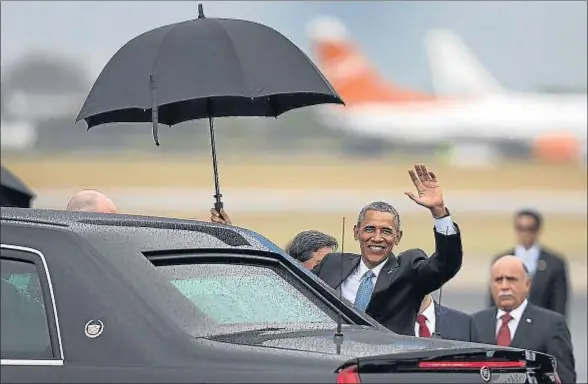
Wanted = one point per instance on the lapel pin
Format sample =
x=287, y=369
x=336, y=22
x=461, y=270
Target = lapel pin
x=529, y=321
x=542, y=265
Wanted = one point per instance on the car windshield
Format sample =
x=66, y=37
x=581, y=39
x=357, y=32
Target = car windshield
x=247, y=295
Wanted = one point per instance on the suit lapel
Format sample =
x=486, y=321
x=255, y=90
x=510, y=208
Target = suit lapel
x=540, y=273
x=524, y=329
x=349, y=264
x=488, y=328
x=385, y=278
x=386, y=274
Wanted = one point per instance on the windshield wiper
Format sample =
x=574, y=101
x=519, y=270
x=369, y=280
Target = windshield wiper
x=262, y=329
x=240, y=330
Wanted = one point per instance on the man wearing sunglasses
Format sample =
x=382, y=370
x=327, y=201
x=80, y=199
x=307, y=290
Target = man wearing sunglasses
x=548, y=270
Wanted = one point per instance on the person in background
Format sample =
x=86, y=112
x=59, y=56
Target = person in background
x=516, y=322
x=309, y=247
x=388, y=287
x=288, y=245
x=548, y=270
x=89, y=200
x=447, y=323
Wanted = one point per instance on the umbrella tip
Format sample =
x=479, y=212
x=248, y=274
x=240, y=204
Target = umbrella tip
x=200, y=11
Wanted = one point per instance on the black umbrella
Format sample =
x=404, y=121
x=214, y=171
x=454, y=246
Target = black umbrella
x=14, y=193
x=207, y=67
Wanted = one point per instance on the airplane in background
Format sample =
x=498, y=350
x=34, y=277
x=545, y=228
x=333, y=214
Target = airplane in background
x=477, y=111
x=456, y=71
x=17, y=135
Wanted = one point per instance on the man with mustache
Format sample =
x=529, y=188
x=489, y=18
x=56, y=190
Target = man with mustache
x=390, y=287
x=517, y=323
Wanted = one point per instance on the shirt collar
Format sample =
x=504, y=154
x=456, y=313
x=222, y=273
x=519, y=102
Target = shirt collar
x=534, y=248
x=516, y=313
x=376, y=270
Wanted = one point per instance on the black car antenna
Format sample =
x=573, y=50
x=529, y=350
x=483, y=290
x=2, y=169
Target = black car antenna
x=338, y=337
x=436, y=334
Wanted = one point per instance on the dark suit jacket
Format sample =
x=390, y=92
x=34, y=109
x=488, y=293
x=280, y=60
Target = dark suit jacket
x=451, y=324
x=539, y=330
x=403, y=281
x=549, y=288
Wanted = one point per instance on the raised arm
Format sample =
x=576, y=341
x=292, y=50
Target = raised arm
x=444, y=264
x=434, y=271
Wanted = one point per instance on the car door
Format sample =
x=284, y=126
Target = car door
x=31, y=345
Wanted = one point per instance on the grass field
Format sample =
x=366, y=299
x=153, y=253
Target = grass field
x=311, y=172
x=482, y=235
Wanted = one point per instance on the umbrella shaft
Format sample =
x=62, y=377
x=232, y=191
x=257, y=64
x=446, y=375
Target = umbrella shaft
x=214, y=163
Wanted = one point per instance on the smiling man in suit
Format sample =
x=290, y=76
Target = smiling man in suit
x=434, y=320
x=391, y=288
x=517, y=323
x=548, y=270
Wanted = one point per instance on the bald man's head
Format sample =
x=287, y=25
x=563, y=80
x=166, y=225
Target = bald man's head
x=510, y=282
x=89, y=200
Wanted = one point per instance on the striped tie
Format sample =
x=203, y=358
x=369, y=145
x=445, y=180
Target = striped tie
x=364, y=292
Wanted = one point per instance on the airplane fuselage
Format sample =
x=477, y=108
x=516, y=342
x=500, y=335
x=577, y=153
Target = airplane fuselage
x=506, y=116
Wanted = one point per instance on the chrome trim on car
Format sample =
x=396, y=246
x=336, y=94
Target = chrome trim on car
x=55, y=363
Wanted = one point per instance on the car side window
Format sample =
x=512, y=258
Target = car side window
x=24, y=325
x=244, y=294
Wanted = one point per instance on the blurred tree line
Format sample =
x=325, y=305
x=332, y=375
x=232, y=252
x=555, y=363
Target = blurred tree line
x=41, y=78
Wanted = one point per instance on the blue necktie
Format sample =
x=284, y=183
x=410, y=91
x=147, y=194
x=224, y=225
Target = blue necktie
x=364, y=292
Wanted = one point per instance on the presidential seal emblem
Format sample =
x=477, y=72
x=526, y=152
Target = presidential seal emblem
x=94, y=328
x=485, y=374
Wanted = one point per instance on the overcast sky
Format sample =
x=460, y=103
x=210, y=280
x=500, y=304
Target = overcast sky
x=524, y=44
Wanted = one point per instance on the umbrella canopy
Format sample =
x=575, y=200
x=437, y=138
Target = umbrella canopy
x=206, y=67
x=13, y=192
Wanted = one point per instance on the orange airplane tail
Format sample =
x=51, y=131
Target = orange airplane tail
x=348, y=71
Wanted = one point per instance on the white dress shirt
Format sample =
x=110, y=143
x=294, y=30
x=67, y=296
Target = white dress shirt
x=529, y=256
x=429, y=314
x=445, y=226
x=350, y=286
x=516, y=314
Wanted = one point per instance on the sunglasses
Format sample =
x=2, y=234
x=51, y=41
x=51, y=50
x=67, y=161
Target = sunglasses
x=521, y=228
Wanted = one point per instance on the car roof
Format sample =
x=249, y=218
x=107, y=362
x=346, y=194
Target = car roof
x=141, y=239
x=108, y=236
x=153, y=232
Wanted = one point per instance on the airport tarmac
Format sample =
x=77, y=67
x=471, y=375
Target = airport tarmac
x=244, y=201
x=320, y=200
